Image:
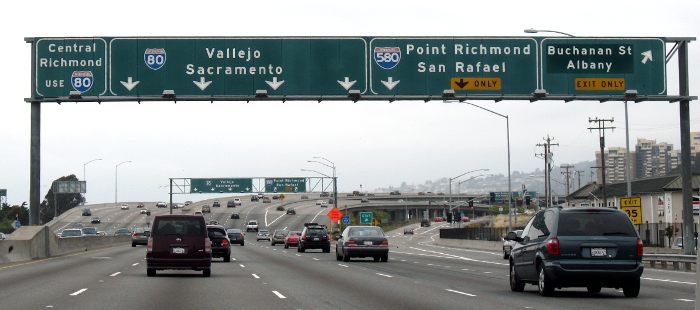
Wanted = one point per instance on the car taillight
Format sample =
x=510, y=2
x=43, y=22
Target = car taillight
x=553, y=246
x=640, y=248
x=325, y=237
x=207, y=246
x=350, y=242
x=385, y=242
x=305, y=237
x=137, y=234
x=224, y=242
x=149, y=245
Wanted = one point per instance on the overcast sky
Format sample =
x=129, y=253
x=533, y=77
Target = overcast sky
x=375, y=144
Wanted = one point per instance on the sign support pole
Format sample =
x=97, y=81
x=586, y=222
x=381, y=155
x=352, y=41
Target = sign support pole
x=34, y=148
x=686, y=170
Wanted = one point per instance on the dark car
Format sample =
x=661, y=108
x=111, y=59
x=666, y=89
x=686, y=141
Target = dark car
x=178, y=242
x=122, y=232
x=425, y=223
x=266, y=199
x=291, y=211
x=236, y=236
x=87, y=212
x=362, y=241
x=216, y=204
x=577, y=247
x=314, y=236
x=395, y=193
x=278, y=237
x=254, y=198
x=275, y=196
x=235, y=216
x=220, y=244
x=140, y=205
x=325, y=194
x=231, y=204
x=96, y=220
x=140, y=236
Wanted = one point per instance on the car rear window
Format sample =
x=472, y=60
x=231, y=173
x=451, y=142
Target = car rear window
x=595, y=224
x=216, y=233
x=70, y=233
x=179, y=226
x=315, y=231
x=366, y=232
x=89, y=230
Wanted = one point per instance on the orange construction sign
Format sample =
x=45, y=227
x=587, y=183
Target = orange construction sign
x=335, y=214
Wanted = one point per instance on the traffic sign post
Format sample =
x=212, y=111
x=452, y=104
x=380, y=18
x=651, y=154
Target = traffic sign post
x=240, y=185
x=366, y=218
x=633, y=207
x=285, y=185
x=603, y=66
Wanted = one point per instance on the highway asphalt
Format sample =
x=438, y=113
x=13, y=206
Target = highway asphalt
x=419, y=275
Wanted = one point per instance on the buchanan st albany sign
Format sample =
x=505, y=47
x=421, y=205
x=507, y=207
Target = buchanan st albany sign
x=135, y=68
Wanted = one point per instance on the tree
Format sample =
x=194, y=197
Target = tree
x=63, y=202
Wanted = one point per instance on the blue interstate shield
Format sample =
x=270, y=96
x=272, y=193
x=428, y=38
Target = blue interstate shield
x=82, y=80
x=387, y=57
x=154, y=58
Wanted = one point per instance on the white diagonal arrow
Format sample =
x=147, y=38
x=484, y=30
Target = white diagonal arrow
x=129, y=84
x=275, y=84
x=195, y=189
x=390, y=84
x=202, y=84
x=647, y=57
x=347, y=83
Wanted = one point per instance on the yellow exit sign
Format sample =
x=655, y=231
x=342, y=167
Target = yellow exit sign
x=630, y=202
x=476, y=83
x=600, y=83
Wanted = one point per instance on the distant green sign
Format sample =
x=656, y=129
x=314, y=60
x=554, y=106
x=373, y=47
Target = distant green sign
x=69, y=187
x=221, y=186
x=285, y=185
x=366, y=218
x=3, y=192
x=603, y=66
x=504, y=196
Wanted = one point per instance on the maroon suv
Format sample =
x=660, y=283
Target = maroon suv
x=179, y=242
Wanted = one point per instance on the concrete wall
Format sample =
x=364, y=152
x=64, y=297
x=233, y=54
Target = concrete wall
x=36, y=242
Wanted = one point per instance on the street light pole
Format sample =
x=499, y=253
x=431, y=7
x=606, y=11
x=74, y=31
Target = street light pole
x=84, y=177
x=530, y=30
x=510, y=188
x=450, y=189
x=116, y=179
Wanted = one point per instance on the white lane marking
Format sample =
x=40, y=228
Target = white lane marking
x=432, y=264
x=279, y=295
x=403, y=260
x=256, y=276
x=384, y=275
x=429, y=230
x=242, y=266
x=670, y=281
x=298, y=254
x=465, y=269
x=487, y=271
x=101, y=257
x=316, y=258
x=275, y=220
x=341, y=265
x=462, y=293
x=233, y=258
x=266, y=210
x=114, y=274
x=135, y=264
x=315, y=216
x=49, y=306
x=285, y=228
x=460, y=257
x=78, y=292
x=274, y=249
x=456, y=249
x=683, y=299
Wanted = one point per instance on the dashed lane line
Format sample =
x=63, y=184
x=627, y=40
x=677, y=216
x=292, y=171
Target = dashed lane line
x=115, y=274
x=670, y=281
x=256, y=276
x=242, y=266
x=315, y=258
x=279, y=295
x=461, y=293
x=384, y=275
x=683, y=299
x=135, y=264
x=78, y=292
x=341, y=265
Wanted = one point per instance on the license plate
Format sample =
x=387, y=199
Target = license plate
x=315, y=239
x=597, y=252
x=368, y=242
x=178, y=251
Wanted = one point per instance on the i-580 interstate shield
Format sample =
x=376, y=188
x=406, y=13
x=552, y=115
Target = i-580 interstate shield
x=237, y=66
x=428, y=66
x=603, y=66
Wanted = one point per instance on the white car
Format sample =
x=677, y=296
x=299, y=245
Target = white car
x=3, y=236
x=237, y=201
x=144, y=211
x=319, y=202
x=324, y=204
x=72, y=233
x=252, y=226
x=125, y=207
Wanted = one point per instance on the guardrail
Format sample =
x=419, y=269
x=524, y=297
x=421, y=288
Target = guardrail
x=674, y=259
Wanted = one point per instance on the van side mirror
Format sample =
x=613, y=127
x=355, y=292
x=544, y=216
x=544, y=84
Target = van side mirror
x=512, y=236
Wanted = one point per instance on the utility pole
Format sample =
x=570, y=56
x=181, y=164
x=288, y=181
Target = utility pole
x=578, y=175
x=601, y=133
x=548, y=168
x=567, y=175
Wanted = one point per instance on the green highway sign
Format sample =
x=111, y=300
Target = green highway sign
x=603, y=66
x=63, y=65
x=237, y=66
x=503, y=196
x=366, y=218
x=3, y=192
x=221, y=185
x=428, y=66
x=285, y=185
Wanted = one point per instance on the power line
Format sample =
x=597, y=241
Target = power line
x=601, y=133
x=547, y=167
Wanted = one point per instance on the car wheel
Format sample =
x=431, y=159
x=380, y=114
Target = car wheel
x=302, y=249
x=206, y=273
x=505, y=255
x=286, y=246
x=151, y=272
x=227, y=258
x=516, y=285
x=376, y=258
x=346, y=258
x=272, y=244
x=593, y=289
x=242, y=243
x=133, y=245
x=631, y=289
x=384, y=258
x=327, y=249
x=544, y=283
x=337, y=256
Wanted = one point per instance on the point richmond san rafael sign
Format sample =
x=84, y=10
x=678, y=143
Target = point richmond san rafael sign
x=203, y=67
